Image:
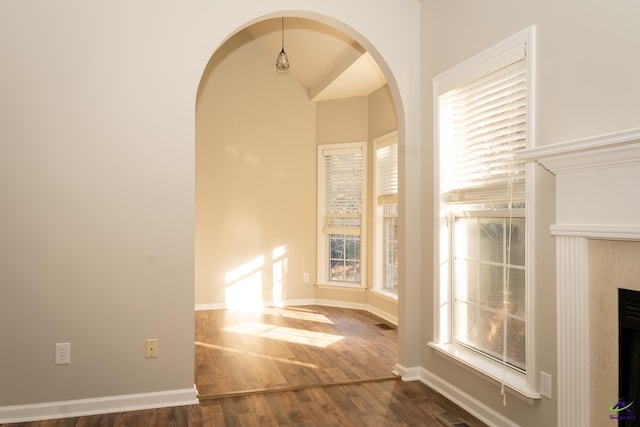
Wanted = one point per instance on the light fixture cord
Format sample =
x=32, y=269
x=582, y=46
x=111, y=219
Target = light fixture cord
x=282, y=32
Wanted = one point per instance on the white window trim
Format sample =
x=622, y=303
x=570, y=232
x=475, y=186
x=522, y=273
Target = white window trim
x=322, y=279
x=378, y=231
x=523, y=384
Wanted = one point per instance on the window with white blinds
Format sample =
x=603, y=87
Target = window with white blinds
x=485, y=264
x=387, y=173
x=343, y=172
x=341, y=213
x=386, y=214
x=486, y=124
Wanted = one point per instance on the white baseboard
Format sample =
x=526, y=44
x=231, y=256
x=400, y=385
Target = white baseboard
x=383, y=314
x=204, y=307
x=408, y=374
x=341, y=304
x=467, y=402
x=296, y=302
x=96, y=406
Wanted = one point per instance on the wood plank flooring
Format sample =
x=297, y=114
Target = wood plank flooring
x=289, y=348
x=296, y=366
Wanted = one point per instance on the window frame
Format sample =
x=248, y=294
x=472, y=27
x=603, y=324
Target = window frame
x=379, y=250
x=524, y=384
x=322, y=279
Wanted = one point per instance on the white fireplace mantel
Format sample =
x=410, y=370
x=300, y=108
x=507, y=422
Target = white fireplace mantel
x=597, y=197
x=597, y=184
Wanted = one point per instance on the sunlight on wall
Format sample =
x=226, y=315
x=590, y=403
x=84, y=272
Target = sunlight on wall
x=279, y=274
x=244, y=285
x=297, y=336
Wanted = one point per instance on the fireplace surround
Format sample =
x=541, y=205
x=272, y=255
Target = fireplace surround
x=596, y=201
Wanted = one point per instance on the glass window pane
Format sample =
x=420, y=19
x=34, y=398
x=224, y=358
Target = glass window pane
x=390, y=254
x=491, y=288
x=344, y=258
x=487, y=290
x=490, y=332
x=491, y=239
x=516, y=292
x=516, y=345
x=466, y=323
x=466, y=238
x=467, y=280
x=517, y=242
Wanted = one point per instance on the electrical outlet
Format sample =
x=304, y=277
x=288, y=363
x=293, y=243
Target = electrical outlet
x=305, y=277
x=63, y=353
x=545, y=384
x=151, y=348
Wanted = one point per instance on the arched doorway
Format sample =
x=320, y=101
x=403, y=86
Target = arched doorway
x=257, y=132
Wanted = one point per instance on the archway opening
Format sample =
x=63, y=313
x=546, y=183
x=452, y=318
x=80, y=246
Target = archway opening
x=257, y=133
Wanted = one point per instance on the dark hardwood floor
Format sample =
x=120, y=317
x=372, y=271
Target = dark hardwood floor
x=295, y=366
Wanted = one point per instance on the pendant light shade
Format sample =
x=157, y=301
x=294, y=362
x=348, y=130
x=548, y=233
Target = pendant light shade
x=282, y=63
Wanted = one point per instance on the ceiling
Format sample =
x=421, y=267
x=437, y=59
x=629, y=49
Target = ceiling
x=327, y=61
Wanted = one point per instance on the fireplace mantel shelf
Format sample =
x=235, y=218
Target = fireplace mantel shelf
x=602, y=151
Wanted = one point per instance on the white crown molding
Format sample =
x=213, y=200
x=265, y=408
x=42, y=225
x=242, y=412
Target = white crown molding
x=603, y=151
x=96, y=406
x=596, y=232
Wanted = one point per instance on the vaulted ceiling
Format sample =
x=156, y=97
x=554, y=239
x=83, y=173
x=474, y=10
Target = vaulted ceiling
x=327, y=61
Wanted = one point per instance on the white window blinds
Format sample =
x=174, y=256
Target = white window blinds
x=343, y=198
x=485, y=123
x=387, y=174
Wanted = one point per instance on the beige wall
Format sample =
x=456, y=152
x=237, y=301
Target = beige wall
x=585, y=86
x=97, y=177
x=612, y=266
x=255, y=180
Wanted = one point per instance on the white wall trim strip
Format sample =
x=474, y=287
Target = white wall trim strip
x=596, y=232
x=205, y=307
x=572, y=301
x=96, y=406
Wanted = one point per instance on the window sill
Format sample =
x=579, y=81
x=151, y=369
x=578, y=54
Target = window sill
x=384, y=294
x=488, y=369
x=344, y=286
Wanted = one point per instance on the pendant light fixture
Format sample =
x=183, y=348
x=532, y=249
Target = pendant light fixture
x=282, y=63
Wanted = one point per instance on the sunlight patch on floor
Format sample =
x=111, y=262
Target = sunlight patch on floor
x=297, y=336
x=253, y=354
x=297, y=314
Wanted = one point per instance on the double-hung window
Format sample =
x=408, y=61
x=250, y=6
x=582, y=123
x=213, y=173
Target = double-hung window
x=483, y=120
x=341, y=208
x=386, y=212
